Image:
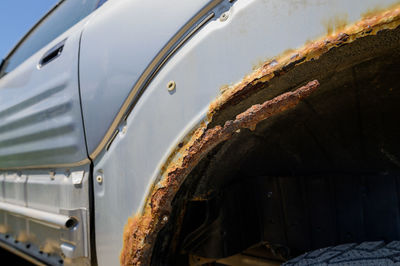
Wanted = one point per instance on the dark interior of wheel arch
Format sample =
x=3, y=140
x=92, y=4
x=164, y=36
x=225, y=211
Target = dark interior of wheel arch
x=324, y=173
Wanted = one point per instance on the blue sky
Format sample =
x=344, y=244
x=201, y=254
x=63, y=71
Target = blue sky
x=17, y=17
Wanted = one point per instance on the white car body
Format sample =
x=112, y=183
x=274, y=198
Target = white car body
x=86, y=137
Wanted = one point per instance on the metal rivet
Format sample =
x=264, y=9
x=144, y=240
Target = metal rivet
x=99, y=179
x=171, y=85
x=224, y=16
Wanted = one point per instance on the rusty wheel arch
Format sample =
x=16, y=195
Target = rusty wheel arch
x=141, y=231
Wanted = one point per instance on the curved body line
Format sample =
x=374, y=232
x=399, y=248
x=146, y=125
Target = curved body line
x=154, y=67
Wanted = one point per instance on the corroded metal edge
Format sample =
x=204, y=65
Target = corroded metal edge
x=141, y=231
x=370, y=25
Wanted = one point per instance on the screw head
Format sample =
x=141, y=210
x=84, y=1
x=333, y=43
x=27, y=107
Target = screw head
x=224, y=16
x=99, y=179
x=171, y=85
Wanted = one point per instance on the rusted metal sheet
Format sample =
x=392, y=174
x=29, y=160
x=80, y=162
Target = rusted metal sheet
x=143, y=228
x=370, y=25
x=141, y=231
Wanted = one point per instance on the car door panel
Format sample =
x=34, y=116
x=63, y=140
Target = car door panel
x=40, y=118
x=44, y=167
x=110, y=70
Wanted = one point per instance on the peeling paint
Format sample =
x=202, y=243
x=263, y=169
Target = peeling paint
x=141, y=231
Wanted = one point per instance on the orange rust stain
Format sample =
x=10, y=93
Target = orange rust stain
x=268, y=61
x=175, y=158
x=370, y=25
x=378, y=10
x=224, y=88
x=141, y=231
x=336, y=24
x=289, y=51
x=139, y=235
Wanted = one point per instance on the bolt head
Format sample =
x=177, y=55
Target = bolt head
x=99, y=179
x=171, y=85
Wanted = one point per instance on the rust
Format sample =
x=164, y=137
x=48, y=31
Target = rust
x=336, y=23
x=141, y=231
x=139, y=240
x=379, y=9
x=369, y=25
